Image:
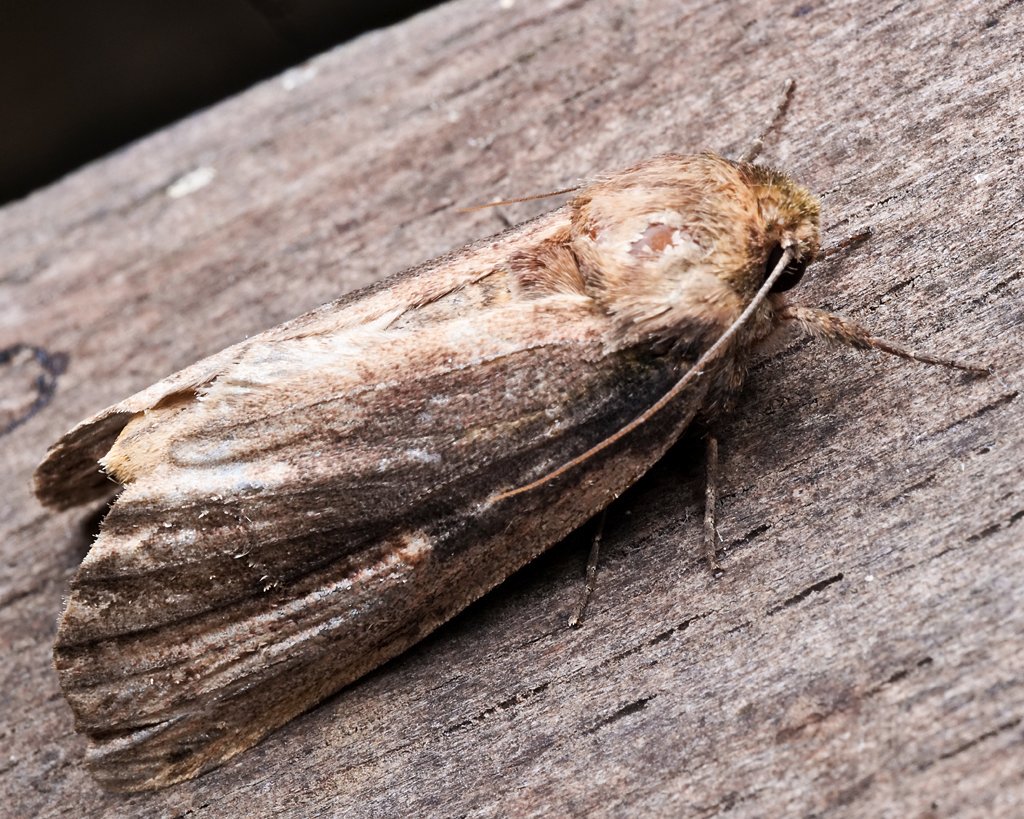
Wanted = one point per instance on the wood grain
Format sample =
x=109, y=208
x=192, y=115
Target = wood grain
x=863, y=653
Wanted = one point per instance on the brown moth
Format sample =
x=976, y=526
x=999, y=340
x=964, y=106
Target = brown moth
x=307, y=504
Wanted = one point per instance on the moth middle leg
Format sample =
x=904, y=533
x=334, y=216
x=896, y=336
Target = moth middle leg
x=576, y=618
x=711, y=537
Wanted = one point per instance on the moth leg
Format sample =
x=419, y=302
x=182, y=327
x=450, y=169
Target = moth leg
x=710, y=501
x=591, y=579
x=837, y=329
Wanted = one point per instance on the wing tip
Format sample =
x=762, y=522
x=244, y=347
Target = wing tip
x=69, y=474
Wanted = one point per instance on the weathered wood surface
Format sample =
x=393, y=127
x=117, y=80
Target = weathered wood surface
x=864, y=653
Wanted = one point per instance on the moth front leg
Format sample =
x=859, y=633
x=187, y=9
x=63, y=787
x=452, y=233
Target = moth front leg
x=820, y=324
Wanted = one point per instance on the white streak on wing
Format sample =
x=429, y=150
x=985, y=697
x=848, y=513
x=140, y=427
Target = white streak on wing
x=233, y=479
x=422, y=456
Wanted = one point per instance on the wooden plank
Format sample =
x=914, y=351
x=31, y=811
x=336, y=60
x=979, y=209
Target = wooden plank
x=862, y=655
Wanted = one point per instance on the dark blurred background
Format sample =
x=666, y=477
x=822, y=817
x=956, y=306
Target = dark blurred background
x=79, y=78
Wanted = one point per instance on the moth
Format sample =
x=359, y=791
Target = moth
x=299, y=508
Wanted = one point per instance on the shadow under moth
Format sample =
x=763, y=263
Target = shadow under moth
x=303, y=506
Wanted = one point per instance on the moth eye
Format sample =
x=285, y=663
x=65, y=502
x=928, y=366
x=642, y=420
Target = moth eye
x=790, y=276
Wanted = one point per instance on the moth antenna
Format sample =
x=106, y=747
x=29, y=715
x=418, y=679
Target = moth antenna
x=818, y=323
x=754, y=151
x=519, y=199
x=689, y=376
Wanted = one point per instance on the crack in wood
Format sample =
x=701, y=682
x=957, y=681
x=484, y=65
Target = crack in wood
x=906, y=492
x=972, y=743
x=982, y=410
x=13, y=360
x=634, y=707
x=799, y=597
x=658, y=638
x=507, y=703
x=999, y=526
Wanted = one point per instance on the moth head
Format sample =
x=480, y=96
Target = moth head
x=789, y=220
